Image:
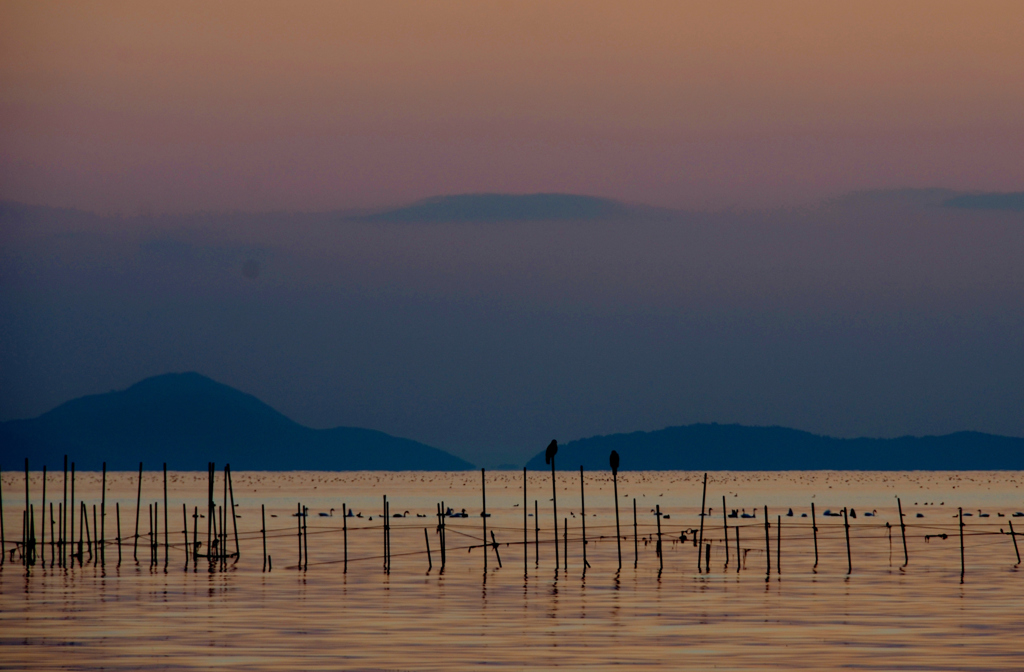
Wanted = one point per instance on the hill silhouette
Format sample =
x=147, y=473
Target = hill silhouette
x=502, y=208
x=187, y=420
x=740, y=448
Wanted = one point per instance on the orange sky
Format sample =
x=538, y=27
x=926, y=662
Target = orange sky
x=180, y=106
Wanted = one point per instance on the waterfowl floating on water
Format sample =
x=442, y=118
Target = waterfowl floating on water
x=327, y=515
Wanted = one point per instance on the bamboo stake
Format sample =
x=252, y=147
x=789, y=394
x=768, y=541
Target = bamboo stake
x=483, y=515
x=209, y=510
x=117, y=509
x=184, y=532
x=960, y=513
x=234, y=518
x=636, y=538
x=444, y=536
x=725, y=530
x=195, y=538
x=613, y=463
x=103, y=517
x=526, y=548
x=64, y=518
x=263, y=531
x=42, y=526
x=767, y=542
x=71, y=515
x=305, y=537
x=494, y=544
x=778, y=546
x=1013, y=535
x=3, y=538
x=583, y=517
x=551, y=450
x=53, y=549
x=849, y=559
x=430, y=561
x=96, y=539
x=167, y=509
x=903, y=533
x=298, y=521
x=344, y=529
x=565, y=541
x=85, y=530
x=814, y=527
x=138, y=508
x=30, y=524
x=703, y=501
x=739, y=558
x=536, y=535
x=661, y=559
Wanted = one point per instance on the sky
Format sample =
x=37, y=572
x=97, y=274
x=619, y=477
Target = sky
x=125, y=107
x=183, y=188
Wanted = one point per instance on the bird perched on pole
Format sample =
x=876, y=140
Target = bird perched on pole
x=613, y=460
x=549, y=454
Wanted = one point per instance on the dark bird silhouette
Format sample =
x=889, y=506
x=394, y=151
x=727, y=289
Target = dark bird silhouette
x=613, y=460
x=550, y=452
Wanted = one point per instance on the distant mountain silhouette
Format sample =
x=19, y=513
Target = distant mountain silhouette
x=1013, y=200
x=739, y=448
x=503, y=208
x=187, y=420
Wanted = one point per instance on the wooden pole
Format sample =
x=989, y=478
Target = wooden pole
x=725, y=530
x=778, y=546
x=138, y=508
x=430, y=561
x=64, y=518
x=657, y=548
x=636, y=538
x=195, y=538
x=483, y=515
x=903, y=533
x=96, y=538
x=814, y=528
x=536, y=535
x=849, y=559
x=526, y=548
x=234, y=518
x=298, y=536
x=618, y=533
x=3, y=538
x=167, y=510
x=565, y=541
x=30, y=524
x=103, y=516
x=53, y=547
x=344, y=530
x=42, y=523
x=184, y=532
x=583, y=518
x=767, y=542
x=703, y=501
x=960, y=513
x=263, y=532
x=554, y=504
x=305, y=536
x=117, y=512
x=154, y=538
x=739, y=558
x=494, y=545
x=1013, y=535
x=211, y=507
x=71, y=515
x=85, y=529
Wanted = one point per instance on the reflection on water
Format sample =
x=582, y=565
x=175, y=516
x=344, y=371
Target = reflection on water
x=733, y=616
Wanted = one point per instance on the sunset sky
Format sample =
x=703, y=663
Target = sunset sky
x=805, y=262
x=126, y=107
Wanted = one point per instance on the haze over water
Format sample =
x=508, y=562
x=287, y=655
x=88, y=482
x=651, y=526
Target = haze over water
x=141, y=617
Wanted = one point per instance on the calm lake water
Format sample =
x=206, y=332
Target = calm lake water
x=138, y=616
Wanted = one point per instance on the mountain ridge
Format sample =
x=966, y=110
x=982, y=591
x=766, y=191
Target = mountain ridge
x=733, y=447
x=186, y=419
